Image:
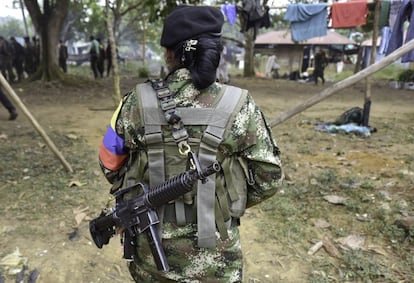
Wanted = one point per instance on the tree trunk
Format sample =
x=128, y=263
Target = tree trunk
x=49, y=38
x=249, y=55
x=48, y=26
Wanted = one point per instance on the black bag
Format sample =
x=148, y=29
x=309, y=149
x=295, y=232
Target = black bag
x=353, y=115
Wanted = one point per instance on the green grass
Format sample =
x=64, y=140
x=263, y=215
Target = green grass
x=292, y=211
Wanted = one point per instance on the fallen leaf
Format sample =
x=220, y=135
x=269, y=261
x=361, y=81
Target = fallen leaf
x=79, y=218
x=321, y=223
x=76, y=183
x=353, y=242
x=4, y=137
x=330, y=247
x=376, y=249
x=78, y=209
x=335, y=199
x=315, y=248
x=72, y=136
x=14, y=262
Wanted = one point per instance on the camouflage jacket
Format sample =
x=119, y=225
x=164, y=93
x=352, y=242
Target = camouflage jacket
x=248, y=138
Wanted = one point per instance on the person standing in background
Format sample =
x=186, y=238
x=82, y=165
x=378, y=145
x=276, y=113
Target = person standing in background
x=18, y=57
x=29, y=57
x=6, y=58
x=320, y=64
x=94, y=54
x=108, y=55
x=63, y=55
x=101, y=58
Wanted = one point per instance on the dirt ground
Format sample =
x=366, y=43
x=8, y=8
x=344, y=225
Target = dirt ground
x=45, y=210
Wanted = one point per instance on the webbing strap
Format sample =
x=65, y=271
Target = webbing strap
x=153, y=137
x=154, y=140
x=190, y=116
x=212, y=137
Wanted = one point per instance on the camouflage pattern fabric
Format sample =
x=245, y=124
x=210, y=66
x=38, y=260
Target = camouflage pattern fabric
x=188, y=263
x=249, y=137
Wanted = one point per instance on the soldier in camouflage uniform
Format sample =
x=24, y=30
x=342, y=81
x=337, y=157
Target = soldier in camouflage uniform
x=192, y=38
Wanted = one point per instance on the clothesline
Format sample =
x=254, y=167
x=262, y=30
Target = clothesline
x=327, y=4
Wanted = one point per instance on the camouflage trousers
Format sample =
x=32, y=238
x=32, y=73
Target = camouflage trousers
x=187, y=262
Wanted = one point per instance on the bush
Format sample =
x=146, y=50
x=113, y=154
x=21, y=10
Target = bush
x=143, y=72
x=406, y=76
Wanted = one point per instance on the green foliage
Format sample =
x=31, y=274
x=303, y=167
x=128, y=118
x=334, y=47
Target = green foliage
x=406, y=76
x=160, y=9
x=12, y=27
x=291, y=213
x=391, y=72
x=361, y=266
x=143, y=72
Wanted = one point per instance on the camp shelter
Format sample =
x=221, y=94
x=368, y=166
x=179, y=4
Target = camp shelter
x=290, y=54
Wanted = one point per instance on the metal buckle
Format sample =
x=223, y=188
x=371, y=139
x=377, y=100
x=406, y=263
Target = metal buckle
x=179, y=135
x=163, y=92
x=184, y=148
x=158, y=84
x=167, y=104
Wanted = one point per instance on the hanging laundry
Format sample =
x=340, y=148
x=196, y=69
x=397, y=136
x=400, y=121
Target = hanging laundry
x=385, y=39
x=384, y=14
x=229, y=10
x=394, y=8
x=349, y=14
x=254, y=16
x=307, y=20
x=405, y=13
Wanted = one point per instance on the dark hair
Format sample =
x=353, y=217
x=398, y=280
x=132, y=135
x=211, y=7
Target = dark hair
x=201, y=59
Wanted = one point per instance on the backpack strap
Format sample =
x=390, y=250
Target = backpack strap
x=153, y=135
x=208, y=210
x=154, y=141
x=210, y=141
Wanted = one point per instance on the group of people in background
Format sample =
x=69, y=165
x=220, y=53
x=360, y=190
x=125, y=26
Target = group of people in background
x=17, y=59
x=98, y=54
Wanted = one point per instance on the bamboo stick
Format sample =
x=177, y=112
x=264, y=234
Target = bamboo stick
x=345, y=83
x=19, y=104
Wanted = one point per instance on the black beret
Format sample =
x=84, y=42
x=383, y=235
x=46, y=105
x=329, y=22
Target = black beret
x=187, y=22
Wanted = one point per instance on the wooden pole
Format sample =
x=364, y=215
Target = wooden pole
x=13, y=96
x=24, y=18
x=345, y=83
x=116, y=96
x=367, y=100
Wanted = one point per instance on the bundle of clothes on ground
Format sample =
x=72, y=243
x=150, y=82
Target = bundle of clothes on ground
x=349, y=122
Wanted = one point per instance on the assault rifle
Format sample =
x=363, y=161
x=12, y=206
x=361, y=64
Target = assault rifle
x=139, y=215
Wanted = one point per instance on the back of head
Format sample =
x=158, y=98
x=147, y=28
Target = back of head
x=194, y=34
